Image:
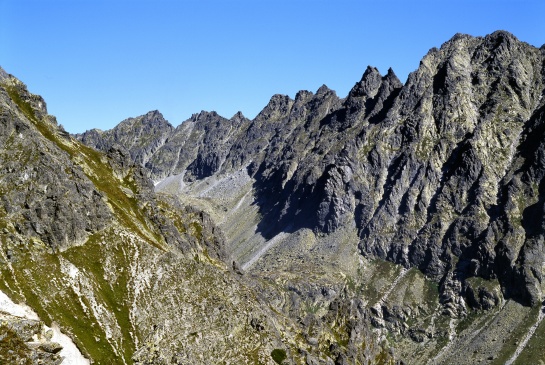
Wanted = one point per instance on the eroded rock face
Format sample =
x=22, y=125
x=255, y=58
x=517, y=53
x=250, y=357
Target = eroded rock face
x=142, y=136
x=42, y=192
x=86, y=243
x=200, y=144
x=457, y=139
x=442, y=173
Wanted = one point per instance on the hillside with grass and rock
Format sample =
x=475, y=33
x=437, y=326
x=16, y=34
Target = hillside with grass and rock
x=400, y=224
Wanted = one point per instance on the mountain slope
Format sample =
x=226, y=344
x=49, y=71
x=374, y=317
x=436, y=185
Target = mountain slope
x=129, y=275
x=442, y=174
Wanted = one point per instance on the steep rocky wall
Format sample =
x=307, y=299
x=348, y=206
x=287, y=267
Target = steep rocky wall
x=439, y=173
x=42, y=192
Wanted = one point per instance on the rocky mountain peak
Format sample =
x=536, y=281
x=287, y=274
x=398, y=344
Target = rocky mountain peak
x=303, y=95
x=154, y=117
x=238, y=117
x=203, y=116
x=502, y=36
x=323, y=90
x=368, y=85
x=278, y=106
x=152, y=120
x=392, y=78
x=372, y=95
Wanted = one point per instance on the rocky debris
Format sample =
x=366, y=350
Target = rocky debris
x=26, y=341
x=143, y=268
x=440, y=173
x=50, y=347
x=24, y=328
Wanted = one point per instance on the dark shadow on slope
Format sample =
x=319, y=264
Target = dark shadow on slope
x=386, y=106
x=511, y=263
x=290, y=208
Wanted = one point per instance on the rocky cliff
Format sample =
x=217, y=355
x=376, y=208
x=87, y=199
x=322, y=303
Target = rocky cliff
x=436, y=173
x=441, y=175
x=97, y=268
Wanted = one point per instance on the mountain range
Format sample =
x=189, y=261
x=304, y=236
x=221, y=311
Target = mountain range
x=401, y=224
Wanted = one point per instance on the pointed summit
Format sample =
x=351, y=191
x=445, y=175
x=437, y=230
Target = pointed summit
x=501, y=35
x=368, y=85
x=323, y=90
x=278, y=105
x=152, y=119
x=238, y=117
x=392, y=79
x=370, y=71
x=153, y=116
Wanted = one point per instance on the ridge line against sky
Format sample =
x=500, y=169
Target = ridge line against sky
x=99, y=62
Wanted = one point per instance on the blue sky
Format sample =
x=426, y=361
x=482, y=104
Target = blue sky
x=99, y=62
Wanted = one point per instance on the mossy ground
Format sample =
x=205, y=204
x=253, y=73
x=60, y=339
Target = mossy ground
x=36, y=279
x=12, y=349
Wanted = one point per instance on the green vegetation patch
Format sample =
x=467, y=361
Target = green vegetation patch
x=113, y=294
x=197, y=230
x=98, y=170
x=517, y=334
x=24, y=106
x=278, y=355
x=36, y=280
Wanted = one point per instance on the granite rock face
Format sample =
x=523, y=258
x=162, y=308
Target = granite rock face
x=407, y=212
x=441, y=173
x=199, y=145
x=142, y=136
x=403, y=222
x=392, y=224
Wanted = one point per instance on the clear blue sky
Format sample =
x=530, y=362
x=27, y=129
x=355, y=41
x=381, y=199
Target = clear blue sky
x=98, y=62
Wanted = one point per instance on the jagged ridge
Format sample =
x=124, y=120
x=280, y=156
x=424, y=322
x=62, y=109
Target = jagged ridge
x=442, y=174
x=425, y=171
